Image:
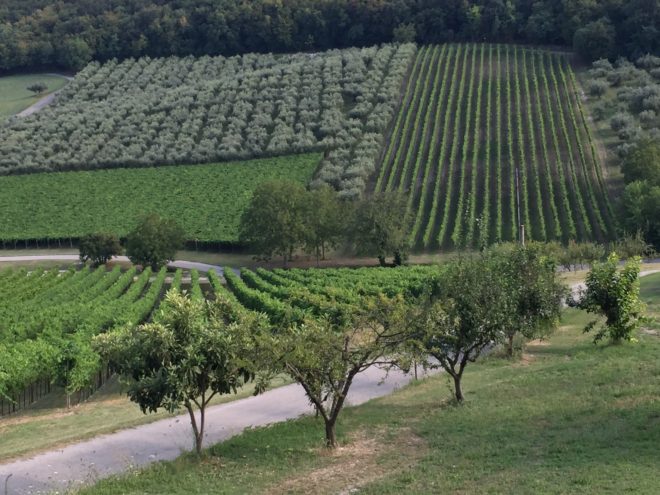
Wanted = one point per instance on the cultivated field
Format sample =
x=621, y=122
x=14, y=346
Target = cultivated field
x=207, y=200
x=188, y=111
x=471, y=116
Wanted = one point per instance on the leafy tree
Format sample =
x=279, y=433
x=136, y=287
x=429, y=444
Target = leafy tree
x=595, y=40
x=641, y=214
x=75, y=53
x=324, y=357
x=99, y=248
x=381, y=227
x=37, y=88
x=463, y=315
x=154, y=241
x=325, y=218
x=597, y=88
x=643, y=163
x=614, y=294
x=274, y=221
x=535, y=294
x=194, y=351
x=404, y=33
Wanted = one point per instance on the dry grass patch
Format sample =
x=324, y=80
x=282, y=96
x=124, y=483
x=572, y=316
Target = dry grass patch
x=366, y=458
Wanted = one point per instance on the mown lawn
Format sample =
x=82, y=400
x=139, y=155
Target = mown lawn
x=14, y=96
x=568, y=417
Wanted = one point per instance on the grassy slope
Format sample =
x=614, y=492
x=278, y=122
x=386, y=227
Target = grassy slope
x=14, y=97
x=207, y=200
x=570, y=417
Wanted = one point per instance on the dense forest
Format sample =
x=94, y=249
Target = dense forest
x=70, y=33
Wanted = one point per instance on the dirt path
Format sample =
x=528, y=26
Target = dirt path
x=103, y=456
x=45, y=101
x=186, y=265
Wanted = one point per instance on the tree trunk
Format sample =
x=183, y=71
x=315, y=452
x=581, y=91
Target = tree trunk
x=509, y=345
x=381, y=260
x=196, y=432
x=457, y=388
x=330, y=436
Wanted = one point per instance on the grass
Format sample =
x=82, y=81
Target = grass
x=14, y=96
x=49, y=424
x=568, y=417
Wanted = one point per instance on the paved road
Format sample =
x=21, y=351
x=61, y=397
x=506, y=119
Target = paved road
x=86, y=462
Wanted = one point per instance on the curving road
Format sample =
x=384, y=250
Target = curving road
x=85, y=462
x=45, y=101
x=103, y=456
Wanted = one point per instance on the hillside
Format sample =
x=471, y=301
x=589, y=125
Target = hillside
x=472, y=117
x=187, y=111
x=449, y=125
x=568, y=417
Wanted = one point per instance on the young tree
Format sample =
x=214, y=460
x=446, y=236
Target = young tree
x=325, y=217
x=99, y=248
x=381, y=226
x=37, y=88
x=464, y=314
x=194, y=351
x=154, y=241
x=274, y=221
x=614, y=294
x=534, y=291
x=324, y=358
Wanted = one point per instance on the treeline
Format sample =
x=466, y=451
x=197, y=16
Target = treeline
x=70, y=34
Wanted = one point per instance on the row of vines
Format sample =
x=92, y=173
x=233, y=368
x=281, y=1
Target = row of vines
x=489, y=137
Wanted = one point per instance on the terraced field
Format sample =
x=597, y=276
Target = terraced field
x=482, y=125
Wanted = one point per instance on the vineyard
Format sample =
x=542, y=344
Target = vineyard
x=170, y=111
x=207, y=200
x=481, y=123
x=50, y=317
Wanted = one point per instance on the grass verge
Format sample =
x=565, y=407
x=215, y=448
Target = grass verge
x=14, y=96
x=48, y=424
x=569, y=417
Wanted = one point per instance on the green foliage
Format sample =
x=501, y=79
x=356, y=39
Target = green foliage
x=99, y=248
x=643, y=163
x=274, y=221
x=381, y=227
x=595, y=40
x=325, y=220
x=154, y=241
x=192, y=352
x=38, y=87
x=324, y=358
x=203, y=110
x=529, y=281
x=614, y=294
x=206, y=199
x=459, y=166
x=466, y=312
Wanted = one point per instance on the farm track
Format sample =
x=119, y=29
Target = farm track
x=473, y=117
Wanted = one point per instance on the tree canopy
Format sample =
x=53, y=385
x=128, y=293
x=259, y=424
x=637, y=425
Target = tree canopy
x=154, y=241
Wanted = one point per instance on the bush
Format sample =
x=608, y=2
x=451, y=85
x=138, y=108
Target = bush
x=597, y=88
x=99, y=248
x=154, y=241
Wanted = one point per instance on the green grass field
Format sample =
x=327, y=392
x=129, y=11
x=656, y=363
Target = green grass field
x=207, y=200
x=568, y=417
x=14, y=96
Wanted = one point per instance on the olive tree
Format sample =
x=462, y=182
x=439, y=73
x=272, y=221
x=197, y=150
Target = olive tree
x=193, y=351
x=613, y=294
